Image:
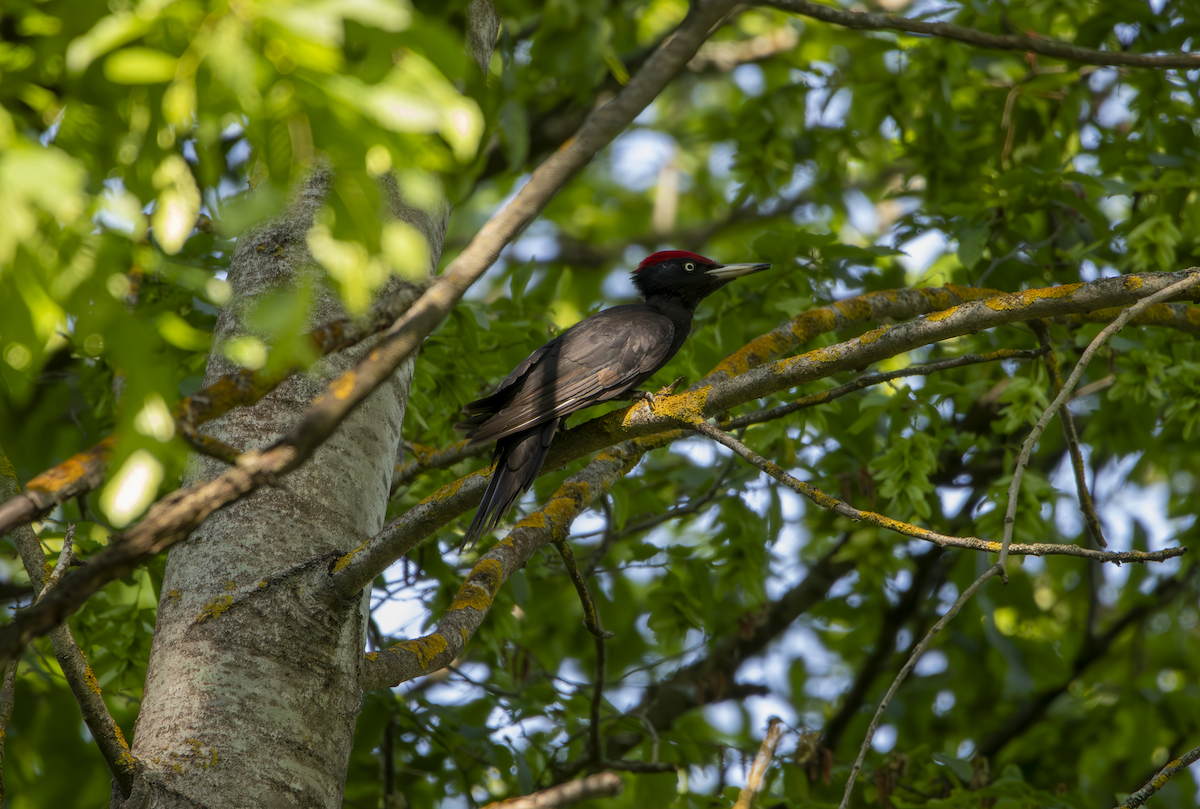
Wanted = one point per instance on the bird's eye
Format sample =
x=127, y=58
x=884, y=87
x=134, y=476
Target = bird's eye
x=689, y=266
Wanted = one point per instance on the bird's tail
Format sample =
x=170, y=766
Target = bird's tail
x=518, y=460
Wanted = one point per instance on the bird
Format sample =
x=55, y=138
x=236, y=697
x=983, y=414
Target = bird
x=602, y=358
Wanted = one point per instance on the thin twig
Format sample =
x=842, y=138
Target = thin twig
x=876, y=378
x=906, y=529
x=1010, y=514
x=600, y=785
x=597, y=748
x=1050, y=360
x=591, y=618
x=908, y=667
x=758, y=770
x=1159, y=781
x=8, y=692
x=65, y=558
x=1095, y=387
x=1032, y=42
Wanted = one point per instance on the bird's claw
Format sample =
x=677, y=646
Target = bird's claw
x=652, y=398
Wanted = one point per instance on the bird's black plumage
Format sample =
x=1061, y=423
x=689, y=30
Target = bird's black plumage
x=603, y=357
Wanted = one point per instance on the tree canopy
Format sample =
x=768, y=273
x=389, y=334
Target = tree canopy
x=957, y=199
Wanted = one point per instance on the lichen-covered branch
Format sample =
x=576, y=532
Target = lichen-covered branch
x=1156, y=783
x=744, y=376
x=1029, y=42
x=71, y=660
x=413, y=658
x=174, y=517
x=877, y=378
x=815, y=495
x=1189, y=281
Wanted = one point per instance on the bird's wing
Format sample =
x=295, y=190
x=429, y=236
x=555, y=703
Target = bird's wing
x=599, y=359
x=497, y=399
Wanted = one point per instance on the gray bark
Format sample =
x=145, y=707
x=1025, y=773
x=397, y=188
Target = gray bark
x=253, y=685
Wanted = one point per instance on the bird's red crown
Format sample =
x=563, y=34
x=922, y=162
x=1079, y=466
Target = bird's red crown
x=667, y=255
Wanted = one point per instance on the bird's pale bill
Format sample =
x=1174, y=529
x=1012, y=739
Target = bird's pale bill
x=727, y=271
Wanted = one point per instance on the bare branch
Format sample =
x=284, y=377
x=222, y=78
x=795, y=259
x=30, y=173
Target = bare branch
x=1159, y=781
x=908, y=667
x=758, y=770
x=7, y=699
x=71, y=660
x=1189, y=281
x=1090, y=517
x=600, y=785
x=1032, y=43
x=711, y=678
x=906, y=529
x=596, y=749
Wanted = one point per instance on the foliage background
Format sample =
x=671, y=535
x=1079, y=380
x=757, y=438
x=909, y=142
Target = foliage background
x=853, y=162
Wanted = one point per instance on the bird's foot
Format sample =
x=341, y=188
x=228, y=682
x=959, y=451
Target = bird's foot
x=652, y=398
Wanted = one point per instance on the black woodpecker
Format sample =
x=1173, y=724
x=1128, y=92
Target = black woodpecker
x=601, y=358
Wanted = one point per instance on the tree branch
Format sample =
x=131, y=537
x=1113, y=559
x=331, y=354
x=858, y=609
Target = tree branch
x=877, y=378
x=908, y=667
x=174, y=517
x=7, y=699
x=1190, y=281
x=1159, y=781
x=1032, y=43
x=758, y=770
x=744, y=375
x=413, y=658
x=600, y=785
x=823, y=500
x=71, y=660
x=1090, y=517
x=711, y=678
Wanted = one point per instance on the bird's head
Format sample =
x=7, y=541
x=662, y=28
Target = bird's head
x=687, y=276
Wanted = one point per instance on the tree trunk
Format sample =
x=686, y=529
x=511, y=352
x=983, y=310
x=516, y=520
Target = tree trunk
x=253, y=686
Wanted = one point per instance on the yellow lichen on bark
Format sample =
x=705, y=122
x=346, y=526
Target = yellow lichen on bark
x=942, y=315
x=343, y=385
x=824, y=354
x=215, y=608
x=535, y=520
x=90, y=677
x=120, y=736
x=425, y=649
x=342, y=563
x=480, y=587
x=1022, y=300
x=856, y=308
x=451, y=489
x=685, y=407
x=563, y=509
x=72, y=469
x=873, y=335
